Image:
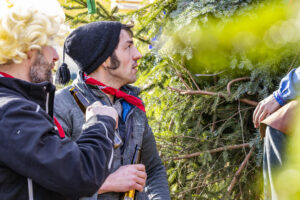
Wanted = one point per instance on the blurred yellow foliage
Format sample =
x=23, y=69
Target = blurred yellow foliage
x=256, y=34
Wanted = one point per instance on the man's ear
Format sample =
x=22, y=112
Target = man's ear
x=106, y=63
x=31, y=55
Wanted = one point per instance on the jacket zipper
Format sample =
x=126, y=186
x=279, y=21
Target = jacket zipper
x=47, y=102
x=30, y=189
x=29, y=181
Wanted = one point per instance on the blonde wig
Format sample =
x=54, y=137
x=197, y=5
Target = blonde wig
x=27, y=25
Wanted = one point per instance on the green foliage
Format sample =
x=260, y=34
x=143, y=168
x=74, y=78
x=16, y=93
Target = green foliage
x=80, y=14
x=186, y=124
x=240, y=41
x=202, y=45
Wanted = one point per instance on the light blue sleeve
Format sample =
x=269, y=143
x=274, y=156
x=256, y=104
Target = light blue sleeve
x=289, y=87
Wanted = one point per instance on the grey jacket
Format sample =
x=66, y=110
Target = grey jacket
x=138, y=132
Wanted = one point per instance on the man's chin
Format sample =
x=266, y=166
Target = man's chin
x=49, y=77
x=35, y=80
x=51, y=80
x=133, y=80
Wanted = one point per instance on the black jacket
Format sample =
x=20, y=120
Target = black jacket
x=34, y=161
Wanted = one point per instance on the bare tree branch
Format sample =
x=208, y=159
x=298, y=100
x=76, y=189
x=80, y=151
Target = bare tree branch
x=192, y=92
x=230, y=147
x=210, y=74
x=239, y=171
x=182, y=80
x=233, y=81
x=142, y=40
x=204, y=92
x=189, y=73
x=203, y=185
x=247, y=101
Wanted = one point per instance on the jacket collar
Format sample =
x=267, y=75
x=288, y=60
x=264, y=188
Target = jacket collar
x=40, y=93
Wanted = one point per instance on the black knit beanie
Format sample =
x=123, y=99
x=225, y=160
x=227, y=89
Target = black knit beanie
x=90, y=45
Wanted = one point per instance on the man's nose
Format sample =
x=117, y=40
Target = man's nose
x=137, y=54
x=55, y=55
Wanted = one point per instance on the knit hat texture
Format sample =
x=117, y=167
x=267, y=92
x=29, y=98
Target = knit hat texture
x=90, y=45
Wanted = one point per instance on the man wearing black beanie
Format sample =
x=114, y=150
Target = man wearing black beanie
x=107, y=59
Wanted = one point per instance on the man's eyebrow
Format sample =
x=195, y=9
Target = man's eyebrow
x=129, y=41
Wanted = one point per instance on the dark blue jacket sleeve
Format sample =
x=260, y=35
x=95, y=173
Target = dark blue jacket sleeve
x=30, y=145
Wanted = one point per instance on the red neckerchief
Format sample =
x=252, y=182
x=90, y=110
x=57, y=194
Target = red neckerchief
x=117, y=93
x=6, y=75
x=61, y=132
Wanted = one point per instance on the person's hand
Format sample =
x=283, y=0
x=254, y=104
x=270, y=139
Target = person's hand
x=264, y=108
x=127, y=177
x=98, y=109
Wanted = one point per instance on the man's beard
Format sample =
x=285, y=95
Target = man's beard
x=114, y=62
x=40, y=70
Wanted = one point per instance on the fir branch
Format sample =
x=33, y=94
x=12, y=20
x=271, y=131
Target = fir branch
x=69, y=17
x=140, y=10
x=152, y=15
x=82, y=21
x=241, y=123
x=244, y=100
x=230, y=147
x=182, y=80
x=82, y=14
x=209, y=93
x=184, y=136
x=187, y=71
x=191, y=77
x=247, y=101
x=194, y=92
x=225, y=120
x=233, y=81
x=80, y=2
x=239, y=171
x=105, y=11
x=171, y=124
x=100, y=14
x=114, y=10
x=142, y=40
x=71, y=8
x=203, y=185
x=213, y=126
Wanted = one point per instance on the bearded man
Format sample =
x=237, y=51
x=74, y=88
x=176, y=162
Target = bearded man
x=33, y=150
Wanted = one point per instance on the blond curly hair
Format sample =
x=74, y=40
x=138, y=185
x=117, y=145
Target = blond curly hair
x=27, y=25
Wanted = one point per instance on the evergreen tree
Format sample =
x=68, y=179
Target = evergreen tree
x=206, y=65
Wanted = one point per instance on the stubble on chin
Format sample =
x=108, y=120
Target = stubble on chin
x=41, y=70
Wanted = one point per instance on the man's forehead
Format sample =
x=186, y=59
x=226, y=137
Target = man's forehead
x=125, y=37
